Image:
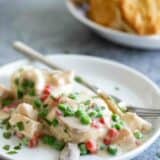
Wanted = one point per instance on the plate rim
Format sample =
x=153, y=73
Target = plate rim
x=71, y=7
x=129, y=154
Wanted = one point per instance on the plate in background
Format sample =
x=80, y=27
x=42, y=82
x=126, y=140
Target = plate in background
x=131, y=40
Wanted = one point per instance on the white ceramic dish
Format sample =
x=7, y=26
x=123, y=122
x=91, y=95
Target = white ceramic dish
x=143, y=42
x=133, y=87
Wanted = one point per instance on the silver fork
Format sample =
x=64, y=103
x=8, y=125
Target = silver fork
x=143, y=112
x=34, y=55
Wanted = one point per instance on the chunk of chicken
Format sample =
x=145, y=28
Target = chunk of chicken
x=62, y=82
x=28, y=73
x=4, y=115
x=135, y=122
x=31, y=127
x=27, y=110
x=59, y=78
x=71, y=130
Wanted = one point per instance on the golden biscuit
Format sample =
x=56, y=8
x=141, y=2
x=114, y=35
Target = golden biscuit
x=105, y=12
x=141, y=16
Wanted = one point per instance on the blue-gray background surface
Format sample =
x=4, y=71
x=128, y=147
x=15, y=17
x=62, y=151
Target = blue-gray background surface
x=48, y=27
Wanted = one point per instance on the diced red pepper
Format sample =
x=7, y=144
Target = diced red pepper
x=44, y=97
x=47, y=89
x=39, y=135
x=91, y=146
x=112, y=133
x=46, y=92
x=102, y=120
x=107, y=141
x=35, y=139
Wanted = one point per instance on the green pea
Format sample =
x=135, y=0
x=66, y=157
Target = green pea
x=37, y=103
x=53, y=142
x=49, y=140
x=115, y=117
x=93, y=114
x=83, y=149
x=85, y=119
x=18, y=147
x=7, y=135
x=99, y=114
x=138, y=134
x=55, y=122
x=58, y=145
x=112, y=150
x=79, y=112
x=43, y=113
x=69, y=112
x=6, y=147
x=62, y=107
x=27, y=84
x=118, y=126
x=20, y=93
x=20, y=126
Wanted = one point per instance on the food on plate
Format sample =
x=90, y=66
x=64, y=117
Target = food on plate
x=41, y=106
x=142, y=17
x=133, y=16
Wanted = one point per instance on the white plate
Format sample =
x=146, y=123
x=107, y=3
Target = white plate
x=143, y=42
x=133, y=87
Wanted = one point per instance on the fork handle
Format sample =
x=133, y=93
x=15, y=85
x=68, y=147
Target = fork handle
x=33, y=54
